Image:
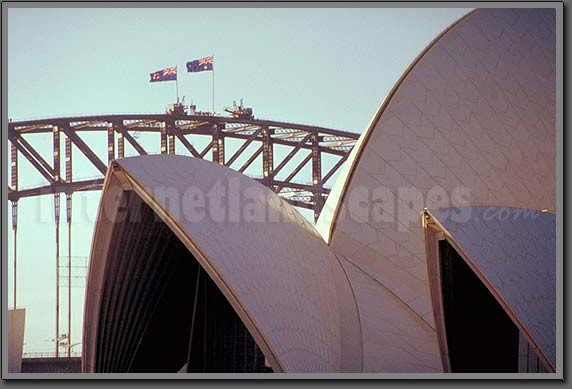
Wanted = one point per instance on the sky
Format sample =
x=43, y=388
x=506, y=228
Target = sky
x=327, y=67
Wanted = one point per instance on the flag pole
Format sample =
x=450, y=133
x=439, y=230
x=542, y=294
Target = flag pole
x=213, y=85
x=177, y=82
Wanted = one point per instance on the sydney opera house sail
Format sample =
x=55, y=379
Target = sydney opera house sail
x=435, y=250
x=495, y=273
x=275, y=278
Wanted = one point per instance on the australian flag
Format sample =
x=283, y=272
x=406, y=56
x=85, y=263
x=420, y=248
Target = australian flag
x=200, y=65
x=168, y=74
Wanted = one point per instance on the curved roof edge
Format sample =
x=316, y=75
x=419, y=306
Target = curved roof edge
x=330, y=213
x=202, y=258
x=335, y=315
x=434, y=222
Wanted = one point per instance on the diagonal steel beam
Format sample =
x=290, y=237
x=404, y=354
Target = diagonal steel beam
x=33, y=156
x=188, y=145
x=84, y=148
x=251, y=159
x=206, y=150
x=334, y=169
x=294, y=172
x=243, y=147
x=13, y=135
x=131, y=140
x=292, y=153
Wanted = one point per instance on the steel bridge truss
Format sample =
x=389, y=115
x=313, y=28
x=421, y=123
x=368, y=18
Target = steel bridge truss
x=177, y=132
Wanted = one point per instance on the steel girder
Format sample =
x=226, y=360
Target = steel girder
x=298, y=139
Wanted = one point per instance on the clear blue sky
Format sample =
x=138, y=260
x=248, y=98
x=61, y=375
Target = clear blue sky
x=328, y=67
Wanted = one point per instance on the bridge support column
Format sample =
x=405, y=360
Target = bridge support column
x=56, y=154
x=14, y=174
x=15, y=243
x=317, y=176
x=120, y=145
x=218, y=144
x=171, y=139
x=57, y=220
x=110, y=142
x=163, y=138
x=68, y=159
x=267, y=157
x=69, y=220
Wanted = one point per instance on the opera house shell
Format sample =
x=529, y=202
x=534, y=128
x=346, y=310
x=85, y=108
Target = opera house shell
x=435, y=251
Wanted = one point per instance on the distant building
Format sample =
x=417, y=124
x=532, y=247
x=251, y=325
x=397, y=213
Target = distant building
x=16, y=327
